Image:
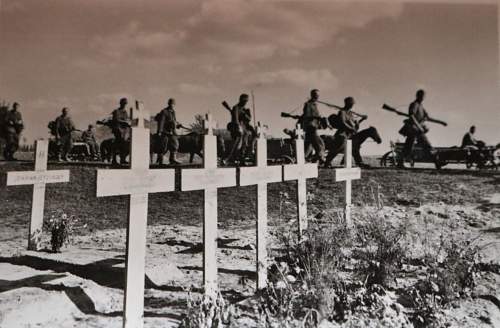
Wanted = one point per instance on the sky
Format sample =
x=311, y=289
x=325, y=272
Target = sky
x=87, y=54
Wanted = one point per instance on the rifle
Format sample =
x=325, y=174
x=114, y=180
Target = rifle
x=362, y=116
x=180, y=126
x=323, y=122
x=226, y=106
x=295, y=117
x=394, y=110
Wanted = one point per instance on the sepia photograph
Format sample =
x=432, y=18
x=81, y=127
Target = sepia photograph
x=250, y=163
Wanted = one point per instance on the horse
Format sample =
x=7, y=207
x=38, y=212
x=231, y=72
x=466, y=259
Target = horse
x=191, y=143
x=108, y=152
x=357, y=141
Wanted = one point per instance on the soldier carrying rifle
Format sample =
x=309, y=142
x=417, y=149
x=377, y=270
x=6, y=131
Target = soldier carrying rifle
x=311, y=121
x=238, y=127
x=414, y=128
x=120, y=126
x=347, y=126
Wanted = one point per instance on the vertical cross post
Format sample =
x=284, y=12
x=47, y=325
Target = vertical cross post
x=347, y=174
x=137, y=182
x=300, y=172
x=209, y=179
x=38, y=178
x=261, y=175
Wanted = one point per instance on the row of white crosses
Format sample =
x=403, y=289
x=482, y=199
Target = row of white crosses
x=139, y=181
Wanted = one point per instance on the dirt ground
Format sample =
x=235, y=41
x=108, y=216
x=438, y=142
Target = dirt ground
x=83, y=285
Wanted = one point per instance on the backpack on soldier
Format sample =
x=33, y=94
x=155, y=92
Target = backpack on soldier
x=52, y=128
x=335, y=121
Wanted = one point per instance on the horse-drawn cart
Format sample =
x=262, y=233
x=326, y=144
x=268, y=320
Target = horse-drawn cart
x=486, y=157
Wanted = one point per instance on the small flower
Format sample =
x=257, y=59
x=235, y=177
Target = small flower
x=281, y=284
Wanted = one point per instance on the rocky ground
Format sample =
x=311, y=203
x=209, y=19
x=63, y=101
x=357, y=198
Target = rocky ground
x=83, y=285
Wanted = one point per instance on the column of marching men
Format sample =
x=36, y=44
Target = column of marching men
x=140, y=180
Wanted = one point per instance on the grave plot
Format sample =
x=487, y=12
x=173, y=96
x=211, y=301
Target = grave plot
x=209, y=179
x=137, y=182
x=261, y=175
x=300, y=172
x=38, y=178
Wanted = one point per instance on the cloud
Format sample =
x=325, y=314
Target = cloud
x=236, y=31
x=319, y=78
x=198, y=89
x=136, y=41
x=10, y=6
x=278, y=28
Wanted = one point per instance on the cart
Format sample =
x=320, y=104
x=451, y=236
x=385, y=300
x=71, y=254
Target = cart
x=486, y=157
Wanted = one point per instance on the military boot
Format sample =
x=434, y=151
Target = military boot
x=173, y=159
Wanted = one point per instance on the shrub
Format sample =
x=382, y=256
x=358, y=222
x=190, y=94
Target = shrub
x=452, y=269
x=318, y=254
x=61, y=227
x=382, y=250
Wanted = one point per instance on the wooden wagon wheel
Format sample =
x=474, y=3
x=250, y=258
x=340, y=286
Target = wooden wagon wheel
x=388, y=159
x=287, y=159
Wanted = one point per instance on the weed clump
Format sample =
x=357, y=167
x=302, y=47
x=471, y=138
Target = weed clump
x=382, y=250
x=207, y=312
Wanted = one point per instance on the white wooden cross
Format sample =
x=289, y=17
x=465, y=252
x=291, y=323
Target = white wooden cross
x=138, y=182
x=38, y=178
x=300, y=172
x=261, y=175
x=347, y=174
x=209, y=179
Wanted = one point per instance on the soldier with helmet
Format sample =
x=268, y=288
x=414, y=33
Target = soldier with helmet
x=14, y=126
x=167, y=125
x=347, y=126
x=311, y=121
x=240, y=135
x=64, y=127
x=120, y=126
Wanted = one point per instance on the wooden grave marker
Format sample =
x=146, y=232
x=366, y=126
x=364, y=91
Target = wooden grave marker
x=261, y=175
x=137, y=182
x=38, y=178
x=347, y=174
x=300, y=172
x=209, y=179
